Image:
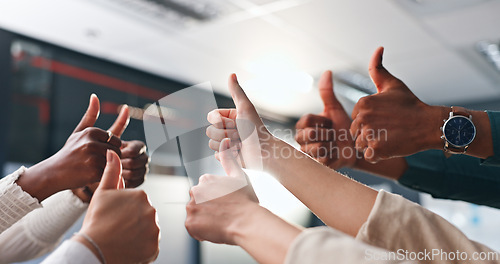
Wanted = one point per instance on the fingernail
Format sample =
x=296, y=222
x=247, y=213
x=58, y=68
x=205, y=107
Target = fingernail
x=109, y=156
x=227, y=144
x=92, y=95
x=234, y=77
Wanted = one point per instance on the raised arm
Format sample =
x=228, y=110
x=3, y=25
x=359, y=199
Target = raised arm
x=235, y=218
x=318, y=187
x=410, y=125
x=395, y=123
x=120, y=226
x=81, y=161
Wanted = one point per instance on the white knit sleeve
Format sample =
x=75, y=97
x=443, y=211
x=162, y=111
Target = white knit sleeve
x=40, y=231
x=72, y=252
x=14, y=202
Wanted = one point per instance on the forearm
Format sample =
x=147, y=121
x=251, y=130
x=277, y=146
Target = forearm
x=41, y=230
x=337, y=200
x=15, y=202
x=265, y=236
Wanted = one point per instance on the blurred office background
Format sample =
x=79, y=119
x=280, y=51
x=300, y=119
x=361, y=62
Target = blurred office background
x=55, y=53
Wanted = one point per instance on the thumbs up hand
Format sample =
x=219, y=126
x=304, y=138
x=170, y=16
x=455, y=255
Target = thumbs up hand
x=122, y=223
x=243, y=126
x=326, y=136
x=393, y=122
x=82, y=159
x=219, y=203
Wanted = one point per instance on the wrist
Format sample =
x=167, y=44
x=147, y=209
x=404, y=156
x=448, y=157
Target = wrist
x=269, y=145
x=482, y=146
x=83, y=195
x=38, y=181
x=433, y=120
x=89, y=246
x=359, y=160
x=265, y=236
x=243, y=224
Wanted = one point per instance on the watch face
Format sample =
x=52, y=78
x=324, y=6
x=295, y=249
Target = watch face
x=459, y=131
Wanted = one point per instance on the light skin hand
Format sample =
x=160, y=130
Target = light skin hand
x=236, y=218
x=122, y=222
x=80, y=162
x=237, y=124
x=337, y=200
x=395, y=123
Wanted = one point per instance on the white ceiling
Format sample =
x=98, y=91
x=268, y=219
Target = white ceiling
x=429, y=44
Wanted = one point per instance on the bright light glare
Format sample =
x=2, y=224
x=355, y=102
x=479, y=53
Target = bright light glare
x=278, y=82
x=278, y=199
x=277, y=72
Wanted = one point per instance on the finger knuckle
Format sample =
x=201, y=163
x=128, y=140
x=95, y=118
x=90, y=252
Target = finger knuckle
x=191, y=209
x=141, y=195
x=376, y=145
x=151, y=213
x=209, y=130
x=91, y=131
x=364, y=119
x=308, y=118
x=365, y=102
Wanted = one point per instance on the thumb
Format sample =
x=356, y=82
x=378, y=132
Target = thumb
x=240, y=99
x=89, y=118
x=111, y=177
x=228, y=159
x=326, y=92
x=380, y=76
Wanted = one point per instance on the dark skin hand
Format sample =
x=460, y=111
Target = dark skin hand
x=323, y=136
x=326, y=137
x=407, y=124
x=80, y=162
x=135, y=163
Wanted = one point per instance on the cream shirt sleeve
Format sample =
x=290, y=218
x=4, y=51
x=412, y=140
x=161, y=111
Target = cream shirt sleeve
x=322, y=245
x=397, y=231
x=397, y=224
x=14, y=202
x=40, y=231
x=72, y=252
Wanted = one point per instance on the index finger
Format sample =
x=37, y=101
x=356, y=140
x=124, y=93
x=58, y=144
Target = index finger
x=228, y=160
x=121, y=122
x=133, y=149
x=222, y=118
